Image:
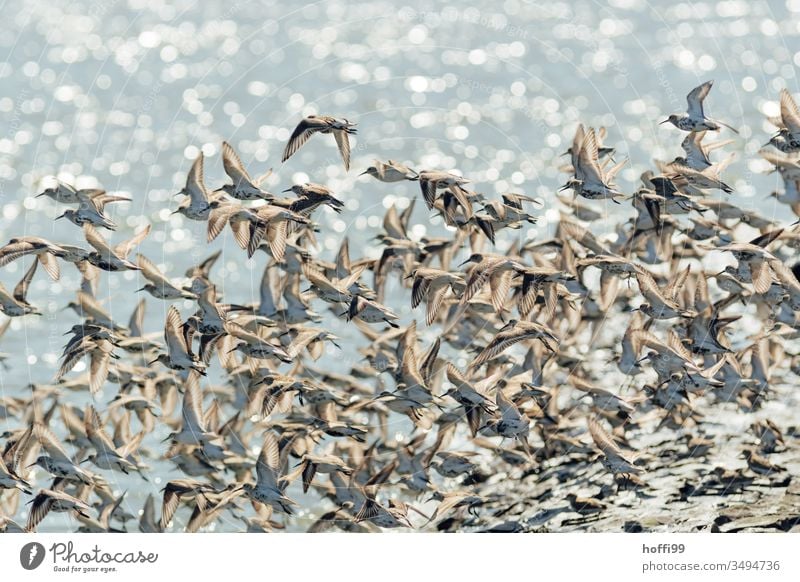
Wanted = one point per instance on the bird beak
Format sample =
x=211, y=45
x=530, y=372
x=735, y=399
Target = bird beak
x=31, y=465
x=464, y=263
x=287, y=190
x=40, y=195
x=364, y=172
x=663, y=122
x=564, y=187
x=153, y=362
x=140, y=289
x=61, y=215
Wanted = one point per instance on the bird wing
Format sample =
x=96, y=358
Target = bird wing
x=577, y=145
x=204, y=268
x=300, y=136
x=21, y=290
x=428, y=188
x=790, y=114
x=631, y=342
x=675, y=343
x=766, y=239
x=241, y=333
x=761, y=274
x=508, y=410
x=694, y=100
x=194, y=182
x=218, y=218
x=603, y=440
x=269, y=462
x=136, y=323
x=40, y=507
x=124, y=248
x=50, y=442
x=461, y=197
x=343, y=143
x=96, y=240
x=90, y=306
x=267, y=303
x=582, y=236
x=614, y=170
x=13, y=251
x=434, y=304
x=501, y=342
x=170, y=502
x=478, y=277
x=692, y=144
x=151, y=272
x=50, y=265
x=392, y=224
x=173, y=335
x=343, y=265
x=95, y=432
x=588, y=169
x=650, y=289
x=233, y=165
x=677, y=283
x=277, y=234
x=192, y=409
x=99, y=199
x=98, y=369
x=319, y=280
x=499, y=284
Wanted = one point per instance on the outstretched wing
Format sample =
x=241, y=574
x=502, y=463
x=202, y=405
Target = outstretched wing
x=233, y=165
x=300, y=136
x=694, y=100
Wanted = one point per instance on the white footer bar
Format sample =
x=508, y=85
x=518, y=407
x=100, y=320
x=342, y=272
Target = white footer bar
x=407, y=557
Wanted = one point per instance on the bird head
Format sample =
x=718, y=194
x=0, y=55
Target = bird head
x=473, y=258
x=40, y=461
x=160, y=358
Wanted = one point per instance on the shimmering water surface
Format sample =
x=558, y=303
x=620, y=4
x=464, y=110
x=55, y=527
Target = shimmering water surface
x=123, y=94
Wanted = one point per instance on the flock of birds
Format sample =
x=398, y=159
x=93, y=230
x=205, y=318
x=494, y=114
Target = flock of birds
x=406, y=425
